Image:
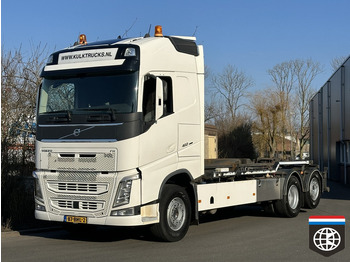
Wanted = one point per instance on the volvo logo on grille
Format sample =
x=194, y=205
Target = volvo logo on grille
x=76, y=132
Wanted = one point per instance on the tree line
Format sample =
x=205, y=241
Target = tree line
x=20, y=79
x=270, y=122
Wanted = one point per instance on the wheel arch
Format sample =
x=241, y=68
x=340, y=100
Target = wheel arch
x=183, y=178
x=298, y=176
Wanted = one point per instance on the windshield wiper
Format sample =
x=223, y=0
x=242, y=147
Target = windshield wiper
x=112, y=114
x=69, y=115
x=57, y=118
x=111, y=110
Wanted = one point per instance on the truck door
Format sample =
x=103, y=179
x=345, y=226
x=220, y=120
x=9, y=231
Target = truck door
x=158, y=144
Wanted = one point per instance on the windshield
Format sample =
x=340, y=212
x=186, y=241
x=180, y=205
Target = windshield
x=90, y=93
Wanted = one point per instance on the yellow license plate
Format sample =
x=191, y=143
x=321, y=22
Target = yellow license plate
x=75, y=220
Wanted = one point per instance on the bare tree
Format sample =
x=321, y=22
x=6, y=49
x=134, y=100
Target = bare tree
x=337, y=62
x=229, y=88
x=283, y=78
x=305, y=73
x=10, y=66
x=20, y=78
x=212, y=109
x=266, y=109
x=292, y=87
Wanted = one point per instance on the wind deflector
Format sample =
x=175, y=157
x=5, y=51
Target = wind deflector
x=184, y=45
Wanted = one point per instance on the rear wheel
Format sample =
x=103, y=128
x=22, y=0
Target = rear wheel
x=289, y=205
x=313, y=196
x=175, y=212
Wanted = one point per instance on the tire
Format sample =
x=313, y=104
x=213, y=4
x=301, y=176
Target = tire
x=313, y=195
x=268, y=208
x=290, y=204
x=175, y=214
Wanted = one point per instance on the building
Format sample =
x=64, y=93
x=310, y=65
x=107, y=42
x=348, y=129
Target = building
x=211, y=142
x=285, y=149
x=330, y=125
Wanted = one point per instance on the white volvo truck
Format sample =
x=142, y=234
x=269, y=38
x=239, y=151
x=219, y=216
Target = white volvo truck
x=120, y=141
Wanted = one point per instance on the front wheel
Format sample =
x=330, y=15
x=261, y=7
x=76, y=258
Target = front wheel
x=289, y=205
x=313, y=196
x=175, y=213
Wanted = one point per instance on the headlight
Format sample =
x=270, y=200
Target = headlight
x=39, y=200
x=39, y=207
x=123, y=194
x=37, y=188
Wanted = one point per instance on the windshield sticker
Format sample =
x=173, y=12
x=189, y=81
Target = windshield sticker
x=87, y=56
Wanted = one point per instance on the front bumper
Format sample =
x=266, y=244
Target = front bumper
x=136, y=220
x=92, y=195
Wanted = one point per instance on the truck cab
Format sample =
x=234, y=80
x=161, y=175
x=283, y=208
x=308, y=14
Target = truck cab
x=117, y=121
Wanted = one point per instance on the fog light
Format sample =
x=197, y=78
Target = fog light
x=132, y=211
x=39, y=207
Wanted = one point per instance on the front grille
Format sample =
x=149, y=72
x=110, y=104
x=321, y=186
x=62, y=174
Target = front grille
x=77, y=187
x=78, y=176
x=79, y=205
x=74, y=187
x=65, y=161
x=79, y=192
x=89, y=205
x=65, y=204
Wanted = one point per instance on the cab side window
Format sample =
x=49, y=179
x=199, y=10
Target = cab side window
x=167, y=96
x=149, y=99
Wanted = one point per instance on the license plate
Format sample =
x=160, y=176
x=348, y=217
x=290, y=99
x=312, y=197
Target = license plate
x=75, y=220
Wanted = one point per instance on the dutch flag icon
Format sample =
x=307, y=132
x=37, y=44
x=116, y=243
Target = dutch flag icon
x=327, y=234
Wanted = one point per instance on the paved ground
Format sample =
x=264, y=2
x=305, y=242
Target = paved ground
x=242, y=234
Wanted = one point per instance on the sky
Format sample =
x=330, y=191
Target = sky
x=253, y=35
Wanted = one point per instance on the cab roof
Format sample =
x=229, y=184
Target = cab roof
x=182, y=44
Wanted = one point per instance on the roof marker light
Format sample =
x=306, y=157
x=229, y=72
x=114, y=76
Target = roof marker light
x=158, y=31
x=82, y=39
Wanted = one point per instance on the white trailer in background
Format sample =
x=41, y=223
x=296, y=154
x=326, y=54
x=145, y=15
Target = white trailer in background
x=120, y=141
